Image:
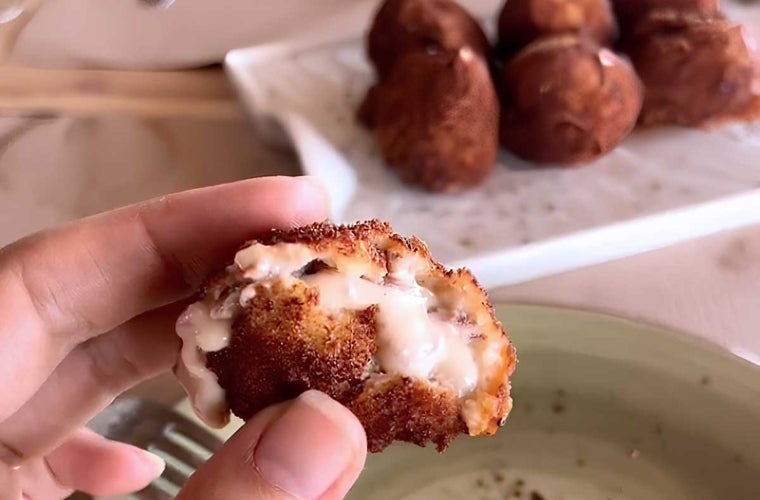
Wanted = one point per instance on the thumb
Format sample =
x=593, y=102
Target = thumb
x=308, y=448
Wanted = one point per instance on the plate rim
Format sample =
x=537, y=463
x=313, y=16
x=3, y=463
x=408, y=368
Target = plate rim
x=651, y=328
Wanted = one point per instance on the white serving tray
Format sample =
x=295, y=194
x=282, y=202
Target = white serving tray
x=660, y=187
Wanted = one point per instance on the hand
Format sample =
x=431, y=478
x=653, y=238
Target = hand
x=88, y=311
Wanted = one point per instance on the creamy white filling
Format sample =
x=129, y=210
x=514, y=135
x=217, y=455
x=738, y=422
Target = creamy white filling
x=200, y=333
x=410, y=340
x=260, y=261
x=416, y=336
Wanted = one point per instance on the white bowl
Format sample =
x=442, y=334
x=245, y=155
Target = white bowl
x=127, y=34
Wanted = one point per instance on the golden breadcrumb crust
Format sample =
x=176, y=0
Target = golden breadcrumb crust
x=284, y=343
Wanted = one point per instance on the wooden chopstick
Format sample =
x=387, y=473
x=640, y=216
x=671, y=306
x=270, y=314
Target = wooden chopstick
x=203, y=93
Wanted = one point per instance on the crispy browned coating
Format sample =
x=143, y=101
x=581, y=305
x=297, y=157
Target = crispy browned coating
x=695, y=68
x=523, y=21
x=436, y=120
x=283, y=343
x=366, y=112
x=402, y=26
x=259, y=368
x=566, y=101
x=629, y=12
x=404, y=409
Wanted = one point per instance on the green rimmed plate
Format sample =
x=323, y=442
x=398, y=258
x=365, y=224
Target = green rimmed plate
x=604, y=409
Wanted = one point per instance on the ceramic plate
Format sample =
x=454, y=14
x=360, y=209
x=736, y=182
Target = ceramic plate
x=604, y=409
x=305, y=95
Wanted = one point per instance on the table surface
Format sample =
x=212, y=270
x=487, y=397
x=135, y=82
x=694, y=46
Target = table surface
x=73, y=143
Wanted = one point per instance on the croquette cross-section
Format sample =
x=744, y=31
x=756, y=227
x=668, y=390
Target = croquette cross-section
x=360, y=313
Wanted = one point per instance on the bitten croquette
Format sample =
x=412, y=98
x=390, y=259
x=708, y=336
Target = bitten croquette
x=367, y=316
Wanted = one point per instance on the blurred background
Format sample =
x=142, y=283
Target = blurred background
x=106, y=102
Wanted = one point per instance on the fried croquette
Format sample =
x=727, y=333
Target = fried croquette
x=360, y=313
x=403, y=26
x=524, y=21
x=566, y=101
x=436, y=120
x=629, y=12
x=695, y=68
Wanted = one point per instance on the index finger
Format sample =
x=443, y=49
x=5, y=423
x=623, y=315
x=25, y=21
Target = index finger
x=66, y=285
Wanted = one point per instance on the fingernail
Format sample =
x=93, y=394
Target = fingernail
x=309, y=447
x=153, y=464
x=324, y=193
